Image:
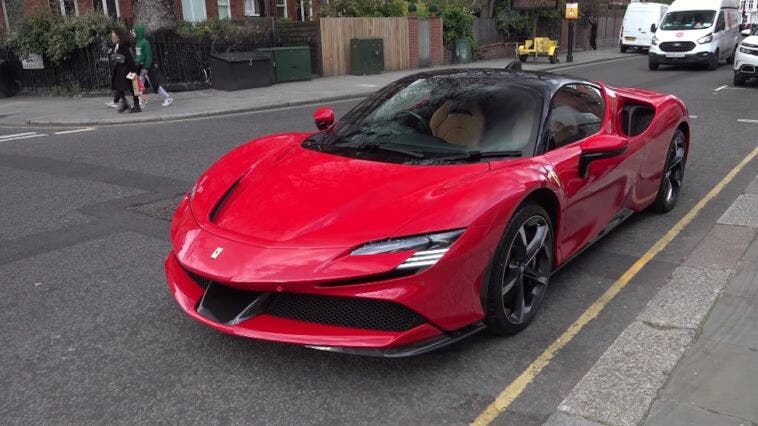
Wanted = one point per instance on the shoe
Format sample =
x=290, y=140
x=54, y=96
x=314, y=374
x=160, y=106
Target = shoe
x=123, y=107
x=142, y=103
x=168, y=101
x=112, y=104
x=134, y=109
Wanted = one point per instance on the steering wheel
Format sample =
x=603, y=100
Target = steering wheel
x=418, y=122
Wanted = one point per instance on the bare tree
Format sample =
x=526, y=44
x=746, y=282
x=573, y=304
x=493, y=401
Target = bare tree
x=155, y=14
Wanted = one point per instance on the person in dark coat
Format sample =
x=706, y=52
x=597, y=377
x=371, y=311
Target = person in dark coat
x=593, y=32
x=121, y=85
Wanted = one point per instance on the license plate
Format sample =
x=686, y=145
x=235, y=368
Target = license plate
x=630, y=38
x=675, y=55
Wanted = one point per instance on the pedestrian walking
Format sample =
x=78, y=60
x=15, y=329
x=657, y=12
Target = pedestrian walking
x=593, y=32
x=149, y=72
x=121, y=84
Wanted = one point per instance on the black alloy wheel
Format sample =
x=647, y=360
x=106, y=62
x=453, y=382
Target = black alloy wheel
x=673, y=174
x=521, y=271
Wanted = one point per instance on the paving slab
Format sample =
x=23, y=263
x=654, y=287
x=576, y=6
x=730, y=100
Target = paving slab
x=686, y=299
x=622, y=385
x=751, y=255
x=672, y=413
x=753, y=187
x=717, y=377
x=744, y=283
x=742, y=212
x=722, y=247
x=563, y=419
x=733, y=321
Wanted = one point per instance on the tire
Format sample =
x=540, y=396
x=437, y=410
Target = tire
x=523, y=58
x=713, y=61
x=554, y=58
x=673, y=174
x=516, y=285
x=652, y=65
x=623, y=48
x=739, y=80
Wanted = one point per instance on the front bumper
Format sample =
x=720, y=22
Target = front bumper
x=688, y=58
x=262, y=322
x=746, y=64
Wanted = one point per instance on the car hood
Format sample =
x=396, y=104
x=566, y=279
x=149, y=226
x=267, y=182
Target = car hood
x=750, y=40
x=290, y=196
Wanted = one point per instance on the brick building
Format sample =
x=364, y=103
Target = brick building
x=11, y=11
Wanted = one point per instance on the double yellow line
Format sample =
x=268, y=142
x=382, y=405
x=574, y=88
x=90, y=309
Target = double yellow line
x=510, y=393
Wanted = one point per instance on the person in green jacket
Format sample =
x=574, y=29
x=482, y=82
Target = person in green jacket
x=149, y=73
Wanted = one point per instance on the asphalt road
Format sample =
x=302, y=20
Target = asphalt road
x=90, y=334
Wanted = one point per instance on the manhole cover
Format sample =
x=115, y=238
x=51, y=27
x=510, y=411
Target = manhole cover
x=160, y=209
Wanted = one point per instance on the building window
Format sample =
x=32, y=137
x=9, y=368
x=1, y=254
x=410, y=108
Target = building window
x=108, y=7
x=251, y=8
x=64, y=7
x=750, y=4
x=281, y=8
x=224, y=11
x=304, y=10
x=194, y=10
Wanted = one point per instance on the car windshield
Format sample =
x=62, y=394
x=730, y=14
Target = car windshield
x=467, y=116
x=688, y=20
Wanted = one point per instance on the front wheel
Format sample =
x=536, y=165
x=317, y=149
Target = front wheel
x=652, y=65
x=673, y=174
x=523, y=58
x=554, y=57
x=623, y=48
x=713, y=61
x=738, y=80
x=520, y=271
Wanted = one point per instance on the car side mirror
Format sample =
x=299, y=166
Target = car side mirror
x=653, y=28
x=745, y=33
x=599, y=147
x=323, y=117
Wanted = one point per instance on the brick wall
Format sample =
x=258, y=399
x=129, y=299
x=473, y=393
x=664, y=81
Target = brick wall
x=211, y=9
x=237, y=8
x=413, y=40
x=32, y=7
x=126, y=8
x=436, y=48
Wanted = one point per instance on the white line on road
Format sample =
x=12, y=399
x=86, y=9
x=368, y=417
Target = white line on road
x=16, y=135
x=746, y=120
x=721, y=88
x=23, y=137
x=694, y=117
x=65, y=132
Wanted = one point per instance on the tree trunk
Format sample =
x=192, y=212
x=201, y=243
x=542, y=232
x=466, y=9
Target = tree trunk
x=155, y=14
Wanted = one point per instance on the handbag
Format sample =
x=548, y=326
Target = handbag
x=118, y=58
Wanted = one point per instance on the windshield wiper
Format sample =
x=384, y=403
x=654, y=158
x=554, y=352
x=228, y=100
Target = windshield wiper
x=478, y=155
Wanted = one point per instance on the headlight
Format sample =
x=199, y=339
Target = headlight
x=744, y=50
x=655, y=41
x=706, y=39
x=428, y=248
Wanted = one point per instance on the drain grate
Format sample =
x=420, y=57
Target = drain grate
x=160, y=209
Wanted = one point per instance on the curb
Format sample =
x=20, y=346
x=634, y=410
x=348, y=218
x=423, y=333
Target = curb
x=621, y=387
x=175, y=117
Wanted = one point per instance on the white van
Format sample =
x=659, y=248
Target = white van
x=696, y=32
x=638, y=19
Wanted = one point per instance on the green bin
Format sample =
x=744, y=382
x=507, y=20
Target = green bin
x=366, y=56
x=290, y=63
x=462, y=51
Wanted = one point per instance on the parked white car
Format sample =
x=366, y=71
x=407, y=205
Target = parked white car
x=746, y=59
x=696, y=32
x=638, y=19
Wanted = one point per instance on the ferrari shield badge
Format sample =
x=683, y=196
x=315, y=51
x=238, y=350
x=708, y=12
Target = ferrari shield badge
x=216, y=253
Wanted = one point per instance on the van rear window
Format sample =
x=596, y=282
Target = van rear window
x=688, y=20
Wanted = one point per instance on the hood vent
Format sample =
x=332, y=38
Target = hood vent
x=220, y=204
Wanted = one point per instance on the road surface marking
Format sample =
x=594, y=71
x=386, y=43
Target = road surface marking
x=515, y=388
x=721, y=88
x=746, y=120
x=65, y=132
x=694, y=117
x=16, y=135
x=23, y=137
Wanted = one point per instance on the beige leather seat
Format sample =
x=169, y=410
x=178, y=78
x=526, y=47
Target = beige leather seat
x=459, y=125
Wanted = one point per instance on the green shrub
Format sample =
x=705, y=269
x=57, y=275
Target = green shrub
x=366, y=8
x=57, y=37
x=457, y=21
x=219, y=30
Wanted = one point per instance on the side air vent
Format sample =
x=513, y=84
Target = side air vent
x=220, y=204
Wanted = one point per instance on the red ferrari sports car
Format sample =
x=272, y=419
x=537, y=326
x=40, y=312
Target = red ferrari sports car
x=436, y=208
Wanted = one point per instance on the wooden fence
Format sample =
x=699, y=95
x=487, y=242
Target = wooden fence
x=485, y=30
x=337, y=32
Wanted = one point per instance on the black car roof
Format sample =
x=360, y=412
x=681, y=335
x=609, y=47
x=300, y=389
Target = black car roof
x=545, y=82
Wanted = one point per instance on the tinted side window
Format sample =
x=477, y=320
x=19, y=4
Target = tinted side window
x=576, y=112
x=720, y=24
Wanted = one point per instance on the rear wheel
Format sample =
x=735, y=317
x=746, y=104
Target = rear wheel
x=623, y=48
x=554, y=57
x=520, y=271
x=673, y=174
x=730, y=60
x=523, y=58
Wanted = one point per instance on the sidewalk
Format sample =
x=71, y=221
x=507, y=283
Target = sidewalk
x=691, y=357
x=45, y=110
